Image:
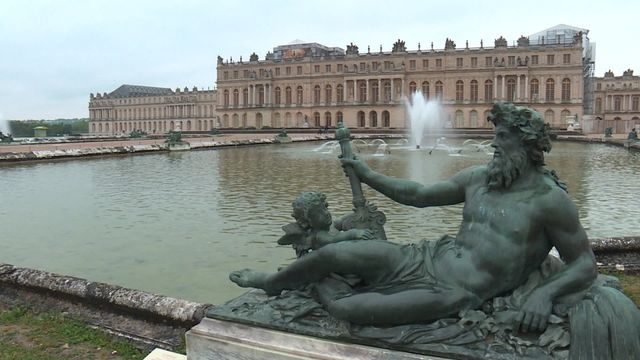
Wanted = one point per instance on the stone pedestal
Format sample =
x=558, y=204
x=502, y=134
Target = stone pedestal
x=218, y=339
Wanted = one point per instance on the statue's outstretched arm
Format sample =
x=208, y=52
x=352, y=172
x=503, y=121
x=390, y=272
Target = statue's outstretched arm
x=448, y=192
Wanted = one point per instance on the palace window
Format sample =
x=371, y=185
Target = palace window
x=363, y=92
x=236, y=97
x=438, y=63
x=459, y=90
x=425, y=90
x=473, y=94
x=412, y=87
x=327, y=68
x=287, y=96
x=299, y=95
x=439, y=87
x=617, y=103
x=534, y=59
x=235, y=74
x=277, y=71
x=535, y=89
x=474, y=62
x=566, y=58
x=339, y=67
x=375, y=89
x=598, y=105
x=226, y=98
x=511, y=89
x=412, y=64
x=550, y=59
x=278, y=96
x=550, y=90
x=387, y=91
x=488, y=91
x=488, y=61
x=339, y=93
x=226, y=75
x=566, y=89
x=299, y=70
x=245, y=96
x=387, y=65
x=316, y=94
x=459, y=62
x=327, y=94
x=316, y=68
x=634, y=103
x=363, y=66
x=425, y=63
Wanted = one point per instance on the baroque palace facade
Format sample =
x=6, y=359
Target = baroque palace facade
x=311, y=85
x=617, y=102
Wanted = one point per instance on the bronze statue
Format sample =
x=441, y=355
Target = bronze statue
x=515, y=212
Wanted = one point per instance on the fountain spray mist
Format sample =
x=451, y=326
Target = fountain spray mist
x=423, y=114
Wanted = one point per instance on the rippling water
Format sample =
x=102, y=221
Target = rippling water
x=178, y=223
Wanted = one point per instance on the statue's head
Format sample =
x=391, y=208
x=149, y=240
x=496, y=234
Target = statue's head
x=528, y=137
x=533, y=131
x=310, y=209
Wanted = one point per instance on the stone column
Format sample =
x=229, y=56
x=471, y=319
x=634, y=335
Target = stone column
x=380, y=90
x=518, y=88
x=402, y=89
x=502, y=88
x=526, y=88
x=495, y=88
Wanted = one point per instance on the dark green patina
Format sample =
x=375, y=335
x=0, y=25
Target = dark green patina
x=490, y=291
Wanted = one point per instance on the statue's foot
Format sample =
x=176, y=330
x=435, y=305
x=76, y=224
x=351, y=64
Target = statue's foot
x=251, y=278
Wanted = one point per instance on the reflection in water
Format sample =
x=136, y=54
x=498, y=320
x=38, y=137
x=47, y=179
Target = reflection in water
x=177, y=223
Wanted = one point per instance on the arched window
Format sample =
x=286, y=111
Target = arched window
x=459, y=90
x=361, y=121
x=412, y=87
x=386, y=119
x=339, y=93
x=236, y=97
x=339, y=117
x=387, y=91
x=278, y=96
x=598, y=105
x=473, y=93
x=275, y=122
x=225, y=100
x=327, y=119
x=439, y=86
x=235, y=121
x=327, y=94
x=488, y=91
x=299, y=95
x=316, y=94
x=373, y=119
x=260, y=96
x=635, y=101
x=259, y=121
x=425, y=90
x=459, y=120
x=564, y=115
x=534, y=89
x=511, y=89
x=245, y=97
x=566, y=89
x=549, y=116
x=287, y=95
x=316, y=119
x=375, y=92
x=550, y=93
x=287, y=120
x=473, y=119
x=362, y=93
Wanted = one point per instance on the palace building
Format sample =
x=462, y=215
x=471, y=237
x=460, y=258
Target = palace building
x=312, y=85
x=617, y=103
x=153, y=110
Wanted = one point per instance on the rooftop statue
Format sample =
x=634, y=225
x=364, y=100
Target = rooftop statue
x=495, y=274
x=352, y=49
x=399, y=46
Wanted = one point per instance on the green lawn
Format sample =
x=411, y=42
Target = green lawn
x=25, y=335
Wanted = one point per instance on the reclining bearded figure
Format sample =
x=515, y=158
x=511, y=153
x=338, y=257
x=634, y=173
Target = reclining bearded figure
x=515, y=211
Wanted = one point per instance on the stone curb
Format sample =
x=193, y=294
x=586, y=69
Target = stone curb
x=157, y=307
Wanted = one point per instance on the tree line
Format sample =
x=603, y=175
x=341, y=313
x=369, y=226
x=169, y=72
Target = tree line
x=58, y=127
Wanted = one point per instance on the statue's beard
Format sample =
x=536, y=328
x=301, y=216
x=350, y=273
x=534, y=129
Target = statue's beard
x=504, y=169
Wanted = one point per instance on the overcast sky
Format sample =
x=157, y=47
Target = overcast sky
x=54, y=53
